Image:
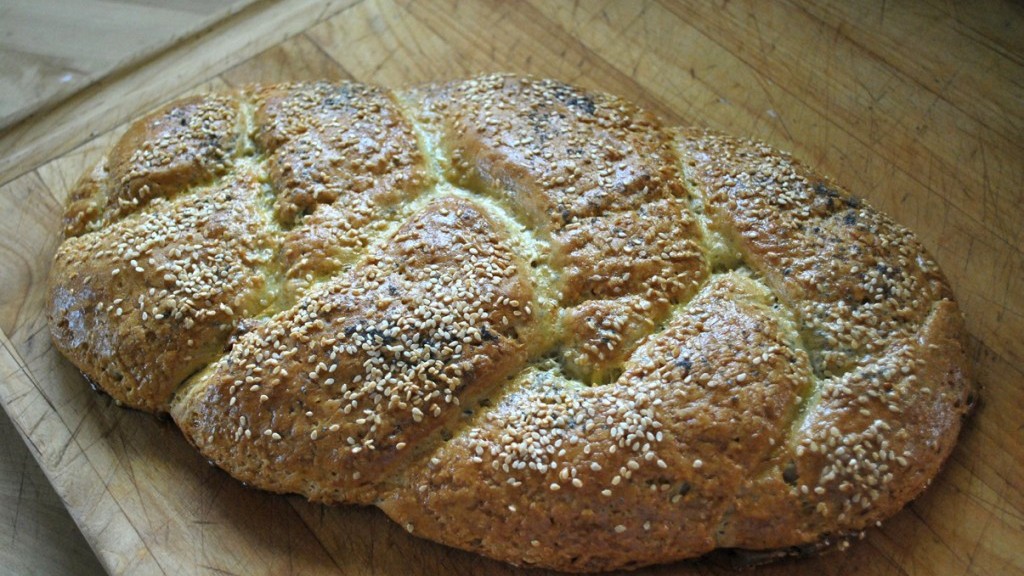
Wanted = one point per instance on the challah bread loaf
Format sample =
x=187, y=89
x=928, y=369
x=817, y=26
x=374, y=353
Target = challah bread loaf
x=523, y=319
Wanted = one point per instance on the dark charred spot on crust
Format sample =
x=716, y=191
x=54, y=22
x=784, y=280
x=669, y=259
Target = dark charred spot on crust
x=578, y=101
x=789, y=473
x=835, y=199
x=685, y=364
x=684, y=488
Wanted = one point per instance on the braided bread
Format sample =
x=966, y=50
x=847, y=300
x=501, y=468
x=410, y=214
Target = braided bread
x=522, y=318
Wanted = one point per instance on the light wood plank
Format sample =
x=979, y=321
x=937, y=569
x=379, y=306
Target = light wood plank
x=50, y=49
x=998, y=25
x=32, y=515
x=294, y=60
x=947, y=63
x=33, y=518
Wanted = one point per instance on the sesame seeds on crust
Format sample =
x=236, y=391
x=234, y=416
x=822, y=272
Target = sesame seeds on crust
x=557, y=152
x=342, y=160
x=369, y=361
x=670, y=438
x=155, y=296
x=855, y=279
x=595, y=176
x=512, y=304
x=186, y=143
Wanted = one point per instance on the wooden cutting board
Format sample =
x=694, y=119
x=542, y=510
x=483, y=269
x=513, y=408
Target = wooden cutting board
x=919, y=108
x=49, y=49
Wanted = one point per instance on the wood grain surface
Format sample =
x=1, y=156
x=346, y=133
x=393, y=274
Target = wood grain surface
x=50, y=49
x=916, y=106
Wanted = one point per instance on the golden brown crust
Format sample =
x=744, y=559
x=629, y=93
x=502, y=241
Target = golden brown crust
x=183, y=144
x=342, y=160
x=329, y=396
x=855, y=279
x=667, y=443
x=555, y=152
x=142, y=303
x=883, y=335
x=522, y=318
